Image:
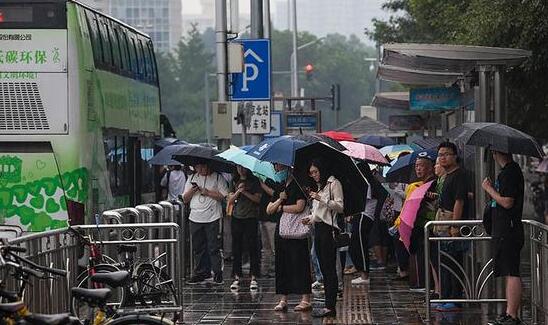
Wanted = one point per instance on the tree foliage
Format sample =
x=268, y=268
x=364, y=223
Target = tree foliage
x=182, y=85
x=498, y=23
x=336, y=59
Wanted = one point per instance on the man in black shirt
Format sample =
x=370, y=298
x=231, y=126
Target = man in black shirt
x=451, y=207
x=507, y=231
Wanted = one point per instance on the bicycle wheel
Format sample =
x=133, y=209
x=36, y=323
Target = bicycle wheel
x=154, y=287
x=140, y=320
x=80, y=309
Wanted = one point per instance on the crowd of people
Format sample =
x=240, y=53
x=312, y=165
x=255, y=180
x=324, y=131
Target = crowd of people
x=312, y=257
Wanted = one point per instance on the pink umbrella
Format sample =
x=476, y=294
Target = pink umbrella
x=409, y=211
x=542, y=167
x=364, y=151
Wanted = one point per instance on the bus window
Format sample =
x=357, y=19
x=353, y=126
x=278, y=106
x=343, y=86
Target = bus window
x=94, y=37
x=140, y=61
x=133, y=57
x=148, y=61
x=105, y=42
x=154, y=78
x=115, y=46
x=116, y=158
x=123, y=49
x=147, y=170
x=130, y=56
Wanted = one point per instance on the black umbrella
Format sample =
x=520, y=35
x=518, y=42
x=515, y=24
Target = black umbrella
x=165, y=156
x=341, y=166
x=164, y=142
x=313, y=138
x=193, y=154
x=497, y=137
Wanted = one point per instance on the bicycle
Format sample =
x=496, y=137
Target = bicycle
x=135, y=284
x=12, y=309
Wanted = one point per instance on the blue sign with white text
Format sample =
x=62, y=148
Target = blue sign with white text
x=434, y=99
x=254, y=82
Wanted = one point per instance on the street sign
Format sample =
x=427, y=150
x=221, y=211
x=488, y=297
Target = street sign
x=257, y=117
x=254, y=82
x=302, y=122
x=275, y=125
x=434, y=99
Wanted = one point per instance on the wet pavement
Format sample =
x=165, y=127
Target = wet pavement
x=381, y=302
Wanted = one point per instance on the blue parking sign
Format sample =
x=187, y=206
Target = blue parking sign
x=254, y=82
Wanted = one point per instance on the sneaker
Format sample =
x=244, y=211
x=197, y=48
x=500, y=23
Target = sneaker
x=377, y=266
x=417, y=289
x=505, y=320
x=253, y=285
x=360, y=281
x=317, y=285
x=218, y=278
x=235, y=285
x=196, y=279
x=448, y=307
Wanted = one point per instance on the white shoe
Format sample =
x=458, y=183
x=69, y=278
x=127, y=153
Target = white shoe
x=235, y=285
x=317, y=285
x=253, y=285
x=360, y=280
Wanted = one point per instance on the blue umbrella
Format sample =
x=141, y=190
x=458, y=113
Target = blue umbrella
x=261, y=169
x=377, y=141
x=165, y=156
x=403, y=170
x=164, y=142
x=278, y=150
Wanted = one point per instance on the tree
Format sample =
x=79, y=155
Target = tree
x=498, y=23
x=182, y=85
x=336, y=59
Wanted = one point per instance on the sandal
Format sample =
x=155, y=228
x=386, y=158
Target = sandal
x=350, y=270
x=303, y=306
x=281, y=306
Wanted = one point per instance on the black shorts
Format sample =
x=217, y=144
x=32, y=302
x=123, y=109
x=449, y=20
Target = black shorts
x=506, y=255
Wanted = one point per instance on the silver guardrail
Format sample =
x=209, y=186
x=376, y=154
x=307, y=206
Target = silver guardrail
x=475, y=274
x=538, y=246
x=59, y=249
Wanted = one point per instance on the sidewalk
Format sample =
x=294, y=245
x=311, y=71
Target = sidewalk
x=382, y=302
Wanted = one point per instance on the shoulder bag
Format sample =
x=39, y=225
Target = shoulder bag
x=340, y=237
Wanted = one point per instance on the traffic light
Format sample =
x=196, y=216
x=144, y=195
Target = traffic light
x=309, y=70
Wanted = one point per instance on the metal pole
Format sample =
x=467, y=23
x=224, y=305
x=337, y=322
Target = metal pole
x=266, y=19
x=207, y=108
x=234, y=16
x=220, y=40
x=499, y=97
x=256, y=19
x=294, y=79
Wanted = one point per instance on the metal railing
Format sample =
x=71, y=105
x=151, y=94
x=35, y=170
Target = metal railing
x=156, y=230
x=475, y=274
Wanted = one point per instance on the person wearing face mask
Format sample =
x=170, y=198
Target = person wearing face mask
x=292, y=260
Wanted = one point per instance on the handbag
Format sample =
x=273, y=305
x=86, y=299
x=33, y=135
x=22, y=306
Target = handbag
x=442, y=215
x=340, y=238
x=291, y=226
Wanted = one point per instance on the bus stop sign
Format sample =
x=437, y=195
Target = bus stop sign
x=254, y=81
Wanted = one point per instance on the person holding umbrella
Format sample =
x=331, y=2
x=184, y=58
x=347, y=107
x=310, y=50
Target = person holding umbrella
x=507, y=231
x=244, y=225
x=174, y=181
x=205, y=190
x=328, y=201
x=292, y=260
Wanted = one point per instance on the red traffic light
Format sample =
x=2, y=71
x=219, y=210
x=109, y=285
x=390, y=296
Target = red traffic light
x=309, y=68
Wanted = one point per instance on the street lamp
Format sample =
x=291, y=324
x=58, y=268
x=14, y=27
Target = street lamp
x=294, y=65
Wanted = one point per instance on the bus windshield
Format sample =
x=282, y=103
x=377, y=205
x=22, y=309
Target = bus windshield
x=21, y=15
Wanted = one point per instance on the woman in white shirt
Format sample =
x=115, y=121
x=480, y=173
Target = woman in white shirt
x=327, y=203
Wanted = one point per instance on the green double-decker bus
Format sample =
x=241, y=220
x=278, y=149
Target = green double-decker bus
x=79, y=113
